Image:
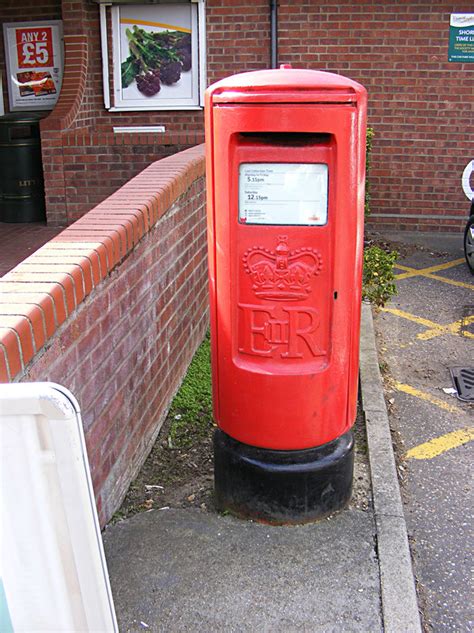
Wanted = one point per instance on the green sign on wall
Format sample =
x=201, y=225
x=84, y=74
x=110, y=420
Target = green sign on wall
x=461, y=38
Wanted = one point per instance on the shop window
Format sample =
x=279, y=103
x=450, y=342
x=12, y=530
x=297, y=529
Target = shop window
x=158, y=56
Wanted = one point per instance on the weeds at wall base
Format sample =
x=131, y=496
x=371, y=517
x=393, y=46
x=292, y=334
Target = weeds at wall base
x=179, y=469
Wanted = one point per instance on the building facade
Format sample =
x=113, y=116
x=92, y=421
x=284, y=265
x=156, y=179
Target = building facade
x=421, y=105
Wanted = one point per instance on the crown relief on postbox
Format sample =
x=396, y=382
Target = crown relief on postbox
x=282, y=273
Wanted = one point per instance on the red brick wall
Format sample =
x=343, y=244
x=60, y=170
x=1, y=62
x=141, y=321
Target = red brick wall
x=83, y=168
x=113, y=308
x=420, y=106
x=238, y=37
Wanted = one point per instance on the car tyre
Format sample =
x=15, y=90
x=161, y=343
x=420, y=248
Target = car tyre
x=469, y=244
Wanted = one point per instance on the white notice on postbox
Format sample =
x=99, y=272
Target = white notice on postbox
x=283, y=193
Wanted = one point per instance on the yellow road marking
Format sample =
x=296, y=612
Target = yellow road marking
x=451, y=328
x=441, y=404
x=441, y=444
x=429, y=273
x=452, y=282
x=412, y=317
x=434, y=329
x=413, y=272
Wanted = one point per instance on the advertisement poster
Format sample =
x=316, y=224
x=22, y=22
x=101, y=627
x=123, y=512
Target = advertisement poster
x=34, y=59
x=461, y=38
x=155, y=56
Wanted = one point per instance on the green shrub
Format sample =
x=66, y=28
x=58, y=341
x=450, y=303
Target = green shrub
x=377, y=280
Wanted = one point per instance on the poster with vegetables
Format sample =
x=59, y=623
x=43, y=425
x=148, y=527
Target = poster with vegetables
x=155, y=56
x=34, y=60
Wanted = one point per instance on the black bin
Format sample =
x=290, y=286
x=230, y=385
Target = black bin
x=21, y=169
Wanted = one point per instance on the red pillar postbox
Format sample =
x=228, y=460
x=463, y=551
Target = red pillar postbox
x=285, y=186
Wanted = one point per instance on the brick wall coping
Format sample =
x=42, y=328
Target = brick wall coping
x=44, y=290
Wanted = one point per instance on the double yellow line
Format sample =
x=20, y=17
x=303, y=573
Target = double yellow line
x=430, y=273
x=437, y=445
x=441, y=444
x=434, y=329
x=454, y=439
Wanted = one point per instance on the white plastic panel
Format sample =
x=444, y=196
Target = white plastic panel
x=52, y=561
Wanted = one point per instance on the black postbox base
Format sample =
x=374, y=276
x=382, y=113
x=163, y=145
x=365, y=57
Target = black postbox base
x=282, y=487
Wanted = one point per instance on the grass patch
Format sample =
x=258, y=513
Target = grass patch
x=190, y=413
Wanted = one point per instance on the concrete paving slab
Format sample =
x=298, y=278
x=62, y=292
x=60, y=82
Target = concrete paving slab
x=19, y=240
x=189, y=570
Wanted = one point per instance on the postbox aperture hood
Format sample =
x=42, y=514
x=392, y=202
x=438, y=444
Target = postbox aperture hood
x=291, y=84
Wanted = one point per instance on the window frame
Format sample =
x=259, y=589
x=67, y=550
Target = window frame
x=112, y=97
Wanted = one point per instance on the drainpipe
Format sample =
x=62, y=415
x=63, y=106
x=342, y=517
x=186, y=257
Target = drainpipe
x=273, y=33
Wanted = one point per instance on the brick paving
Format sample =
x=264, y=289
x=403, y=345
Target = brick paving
x=18, y=241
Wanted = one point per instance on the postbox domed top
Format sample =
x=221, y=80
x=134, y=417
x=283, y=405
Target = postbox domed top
x=296, y=84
